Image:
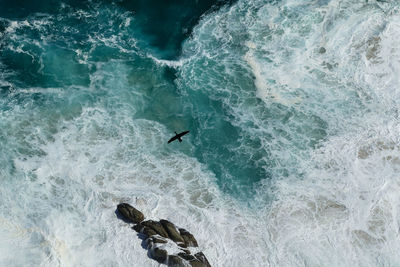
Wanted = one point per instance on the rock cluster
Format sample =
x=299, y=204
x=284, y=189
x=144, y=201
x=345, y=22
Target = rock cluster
x=158, y=234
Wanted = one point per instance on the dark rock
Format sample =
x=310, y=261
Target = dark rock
x=182, y=245
x=138, y=227
x=190, y=241
x=322, y=50
x=157, y=233
x=154, y=240
x=186, y=256
x=148, y=231
x=186, y=251
x=172, y=232
x=158, y=240
x=202, y=258
x=197, y=263
x=130, y=213
x=159, y=254
x=175, y=261
x=157, y=227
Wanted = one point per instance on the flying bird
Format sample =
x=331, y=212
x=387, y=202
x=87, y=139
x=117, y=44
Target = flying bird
x=177, y=136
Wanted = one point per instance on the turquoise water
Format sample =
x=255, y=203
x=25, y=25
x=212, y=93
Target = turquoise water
x=292, y=106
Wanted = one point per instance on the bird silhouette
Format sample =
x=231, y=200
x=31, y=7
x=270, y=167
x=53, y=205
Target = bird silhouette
x=178, y=136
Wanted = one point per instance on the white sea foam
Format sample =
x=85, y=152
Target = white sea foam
x=88, y=170
x=344, y=212
x=343, y=209
x=165, y=62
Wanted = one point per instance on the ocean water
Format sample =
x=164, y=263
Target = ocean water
x=293, y=155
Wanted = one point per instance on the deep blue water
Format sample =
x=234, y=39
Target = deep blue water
x=47, y=56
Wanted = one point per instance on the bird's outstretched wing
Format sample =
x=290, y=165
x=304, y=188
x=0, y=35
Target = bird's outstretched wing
x=183, y=133
x=172, y=139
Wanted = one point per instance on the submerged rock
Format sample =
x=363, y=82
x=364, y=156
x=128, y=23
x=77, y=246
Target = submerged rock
x=130, y=213
x=172, y=232
x=190, y=241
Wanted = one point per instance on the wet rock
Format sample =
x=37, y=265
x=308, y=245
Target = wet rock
x=182, y=245
x=202, y=258
x=130, y=213
x=138, y=227
x=190, y=241
x=159, y=254
x=322, y=50
x=148, y=231
x=197, y=263
x=157, y=240
x=186, y=256
x=161, y=232
x=186, y=251
x=172, y=232
x=157, y=227
x=175, y=261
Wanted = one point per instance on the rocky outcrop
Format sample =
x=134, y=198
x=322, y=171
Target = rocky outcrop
x=156, y=240
x=158, y=234
x=201, y=257
x=158, y=254
x=172, y=232
x=197, y=260
x=186, y=256
x=156, y=226
x=175, y=261
x=188, y=238
x=138, y=228
x=197, y=263
x=130, y=213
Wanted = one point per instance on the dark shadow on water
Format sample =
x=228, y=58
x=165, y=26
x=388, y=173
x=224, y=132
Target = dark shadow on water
x=18, y=9
x=166, y=24
x=143, y=237
x=170, y=74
